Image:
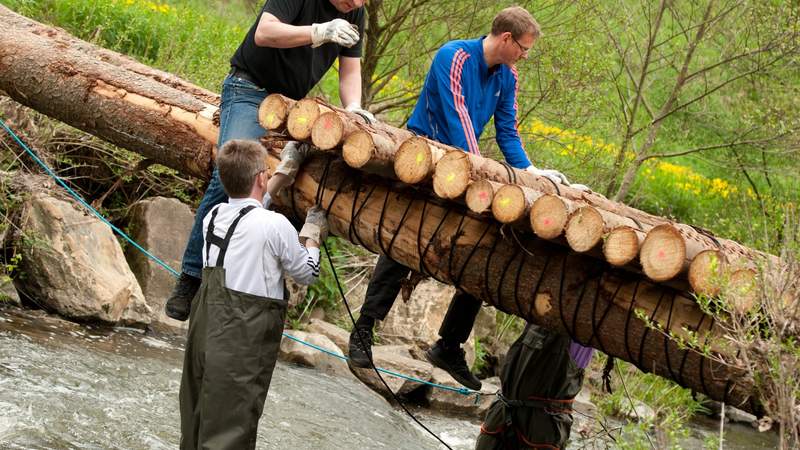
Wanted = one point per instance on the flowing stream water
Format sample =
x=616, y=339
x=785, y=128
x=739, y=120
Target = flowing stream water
x=65, y=386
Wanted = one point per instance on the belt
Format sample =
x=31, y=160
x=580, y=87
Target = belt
x=547, y=404
x=241, y=74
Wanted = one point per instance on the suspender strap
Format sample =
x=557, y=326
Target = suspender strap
x=222, y=243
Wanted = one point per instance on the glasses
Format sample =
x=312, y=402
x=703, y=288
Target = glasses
x=524, y=49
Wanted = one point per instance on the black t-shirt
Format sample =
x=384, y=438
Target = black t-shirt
x=294, y=71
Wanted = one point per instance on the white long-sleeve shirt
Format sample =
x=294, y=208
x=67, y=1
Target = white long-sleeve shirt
x=263, y=247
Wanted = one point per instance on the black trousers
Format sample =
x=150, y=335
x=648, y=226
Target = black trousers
x=384, y=286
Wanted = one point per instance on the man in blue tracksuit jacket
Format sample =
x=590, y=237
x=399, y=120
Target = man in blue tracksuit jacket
x=469, y=82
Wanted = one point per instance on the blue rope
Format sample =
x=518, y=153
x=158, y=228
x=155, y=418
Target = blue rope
x=463, y=390
x=79, y=199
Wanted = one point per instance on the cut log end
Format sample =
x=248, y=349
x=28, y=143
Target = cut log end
x=621, y=246
x=508, y=204
x=358, y=149
x=548, y=216
x=663, y=253
x=451, y=176
x=327, y=131
x=273, y=111
x=413, y=162
x=742, y=291
x=301, y=118
x=479, y=196
x=584, y=229
x=705, y=272
x=543, y=304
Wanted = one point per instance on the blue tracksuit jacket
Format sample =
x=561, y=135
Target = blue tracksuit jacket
x=461, y=94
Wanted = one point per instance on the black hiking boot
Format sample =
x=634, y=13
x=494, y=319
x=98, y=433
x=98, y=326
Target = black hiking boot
x=452, y=361
x=180, y=301
x=360, y=350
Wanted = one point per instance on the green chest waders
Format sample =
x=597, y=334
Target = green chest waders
x=231, y=351
x=539, y=382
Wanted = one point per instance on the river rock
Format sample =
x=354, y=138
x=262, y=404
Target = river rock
x=736, y=415
x=397, y=359
x=298, y=353
x=454, y=402
x=161, y=226
x=418, y=320
x=639, y=411
x=8, y=293
x=339, y=336
x=583, y=403
x=732, y=414
x=73, y=265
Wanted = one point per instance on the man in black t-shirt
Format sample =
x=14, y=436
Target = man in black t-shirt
x=287, y=51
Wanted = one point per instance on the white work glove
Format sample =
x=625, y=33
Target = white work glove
x=338, y=31
x=356, y=108
x=292, y=156
x=553, y=175
x=316, y=226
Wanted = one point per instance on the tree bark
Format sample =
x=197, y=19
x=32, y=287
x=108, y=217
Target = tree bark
x=70, y=80
x=455, y=171
x=528, y=277
x=11, y=20
x=332, y=128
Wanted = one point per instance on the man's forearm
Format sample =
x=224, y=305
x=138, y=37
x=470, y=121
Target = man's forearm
x=350, y=91
x=350, y=85
x=277, y=182
x=273, y=33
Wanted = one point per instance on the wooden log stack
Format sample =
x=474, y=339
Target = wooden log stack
x=569, y=260
x=586, y=222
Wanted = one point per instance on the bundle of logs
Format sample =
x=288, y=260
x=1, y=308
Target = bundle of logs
x=687, y=257
x=613, y=277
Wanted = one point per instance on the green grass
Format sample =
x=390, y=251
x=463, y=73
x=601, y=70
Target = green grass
x=190, y=38
x=671, y=406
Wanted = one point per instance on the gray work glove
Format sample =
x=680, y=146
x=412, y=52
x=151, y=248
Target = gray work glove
x=554, y=175
x=338, y=31
x=356, y=108
x=292, y=156
x=316, y=226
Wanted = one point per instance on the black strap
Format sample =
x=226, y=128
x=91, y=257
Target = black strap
x=557, y=405
x=222, y=243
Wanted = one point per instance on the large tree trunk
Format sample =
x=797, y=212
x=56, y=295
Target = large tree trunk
x=108, y=95
x=518, y=273
x=534, y=279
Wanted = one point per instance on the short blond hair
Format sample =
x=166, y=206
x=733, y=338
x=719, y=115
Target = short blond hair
x=238, y=162
x=517, y=21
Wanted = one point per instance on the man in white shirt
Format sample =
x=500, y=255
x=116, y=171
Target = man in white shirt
x=238, y=313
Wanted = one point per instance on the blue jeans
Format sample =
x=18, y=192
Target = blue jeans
x=238, y=120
